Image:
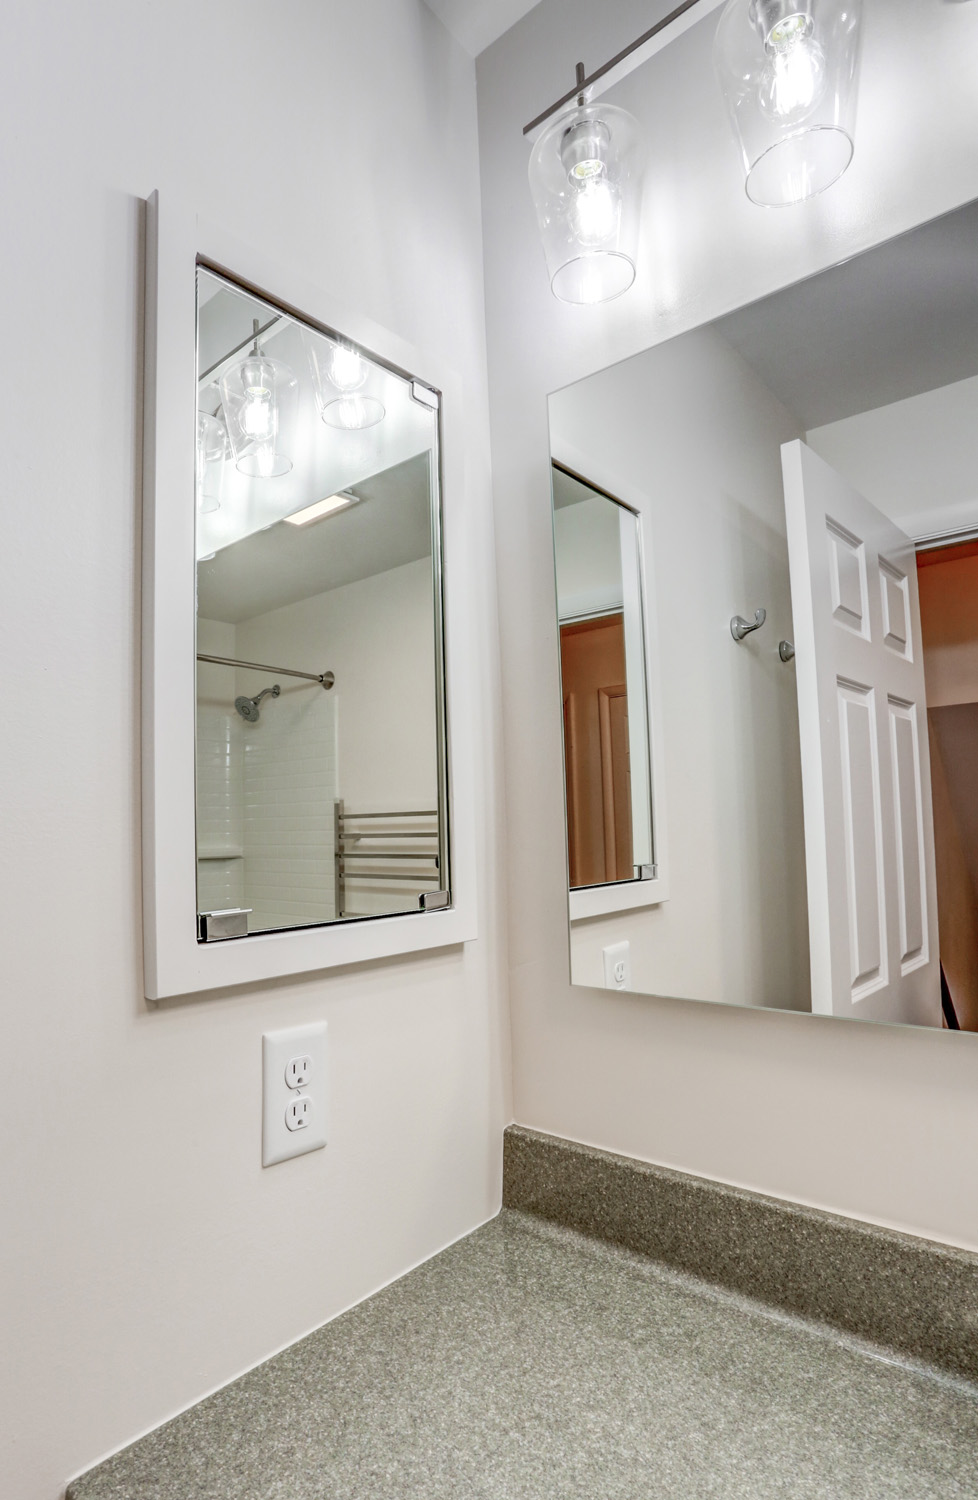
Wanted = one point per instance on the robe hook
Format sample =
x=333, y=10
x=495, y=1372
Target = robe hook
x=739, y=627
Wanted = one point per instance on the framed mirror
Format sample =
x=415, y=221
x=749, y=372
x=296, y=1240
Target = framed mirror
x=307, y=793
x=612, y=844
x=805, y=472
x=320, y=762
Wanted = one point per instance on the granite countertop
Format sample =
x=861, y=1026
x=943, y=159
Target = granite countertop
x=529, y=1363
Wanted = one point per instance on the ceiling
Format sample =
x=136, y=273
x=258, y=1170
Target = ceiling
x=900, y=320
x=478, y=23
x=269, y=569
x=569, y=491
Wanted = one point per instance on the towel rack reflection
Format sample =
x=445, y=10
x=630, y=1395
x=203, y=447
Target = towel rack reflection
x=391, y=848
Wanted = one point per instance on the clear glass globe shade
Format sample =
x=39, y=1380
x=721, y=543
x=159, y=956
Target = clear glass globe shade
x=212, y=442
x=788, y=73
x=586, y=173
x=259, y=397
x=353, y=413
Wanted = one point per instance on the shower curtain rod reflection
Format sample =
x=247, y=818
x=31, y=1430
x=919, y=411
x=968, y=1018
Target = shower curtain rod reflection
x=325, y=679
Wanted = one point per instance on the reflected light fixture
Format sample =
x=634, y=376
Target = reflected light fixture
x=339, y=373
x=788, y=72
x=327, y=507
x=212, y=447
x=586, y=173
x=259, y=397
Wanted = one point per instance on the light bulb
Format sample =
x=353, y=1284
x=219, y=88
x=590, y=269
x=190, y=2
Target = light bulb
x=258, y=411
x=597, y=210
x=345, y=368
x=793, y=79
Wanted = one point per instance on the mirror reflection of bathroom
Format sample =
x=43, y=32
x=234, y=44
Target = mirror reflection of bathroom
x=603, y=676
x=320, y=777
x=807, y=466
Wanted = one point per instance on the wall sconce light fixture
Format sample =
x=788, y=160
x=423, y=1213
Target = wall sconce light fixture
x=260, y=399
x=339, y=373
x=788, y=71
x=586, y=174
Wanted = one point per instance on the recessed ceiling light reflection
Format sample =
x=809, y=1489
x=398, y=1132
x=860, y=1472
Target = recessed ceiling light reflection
x=327, y=507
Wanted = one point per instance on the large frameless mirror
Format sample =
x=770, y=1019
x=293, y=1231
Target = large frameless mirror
x=806, y=472
x=320, y=750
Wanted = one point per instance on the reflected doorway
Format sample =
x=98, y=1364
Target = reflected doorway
x=947, y=580
x=599, y=792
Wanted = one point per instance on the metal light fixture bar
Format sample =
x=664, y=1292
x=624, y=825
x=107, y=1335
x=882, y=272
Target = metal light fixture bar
x=630, y=57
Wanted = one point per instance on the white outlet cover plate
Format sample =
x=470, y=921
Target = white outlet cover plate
x=617, y=966
x=278, y=1048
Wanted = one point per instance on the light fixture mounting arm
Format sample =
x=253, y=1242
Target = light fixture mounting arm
x=585, y=82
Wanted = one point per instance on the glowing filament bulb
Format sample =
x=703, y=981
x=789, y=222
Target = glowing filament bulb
x=597, y=210
x=794, y=79
x=345, y=368
x=258, y=411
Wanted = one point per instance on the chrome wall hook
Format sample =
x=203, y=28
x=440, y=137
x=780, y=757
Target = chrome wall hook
x=786, y=650
x=739, y=627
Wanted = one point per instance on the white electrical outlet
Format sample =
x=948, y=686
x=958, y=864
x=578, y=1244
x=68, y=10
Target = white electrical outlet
x=617, y=966
x=293, y=1092
x=298, y=1071
x=299, y=1113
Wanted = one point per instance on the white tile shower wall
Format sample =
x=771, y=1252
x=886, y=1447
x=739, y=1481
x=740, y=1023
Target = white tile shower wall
x=289, y=793
x=220, y=831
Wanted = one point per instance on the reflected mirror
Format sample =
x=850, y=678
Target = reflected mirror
x=320, y=763
x=805, y=470
x=597, y=551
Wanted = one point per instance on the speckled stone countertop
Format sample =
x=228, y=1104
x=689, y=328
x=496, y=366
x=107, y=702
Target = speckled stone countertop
x=529, y=1363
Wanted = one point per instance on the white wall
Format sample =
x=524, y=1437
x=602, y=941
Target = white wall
x=852, y=1117
x=696, y=437
x=917, y=460
x=587, y=552
x=147, y=1257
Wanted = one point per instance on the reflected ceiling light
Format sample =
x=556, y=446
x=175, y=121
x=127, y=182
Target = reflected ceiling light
x=586, y=173
x=260, y=397
x=321, y=508
x=339, y=373
x=787, y=70
x=212, y=447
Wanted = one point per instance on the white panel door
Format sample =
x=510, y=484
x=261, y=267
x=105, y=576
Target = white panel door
x=869, y=833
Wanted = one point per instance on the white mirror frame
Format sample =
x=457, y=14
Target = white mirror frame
x=175, y=963
x=626, y=895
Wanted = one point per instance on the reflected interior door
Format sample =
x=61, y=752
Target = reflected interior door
x=869, y=830
x=599, y=799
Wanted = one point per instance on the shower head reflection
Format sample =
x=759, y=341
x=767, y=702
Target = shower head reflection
x=249, y=708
